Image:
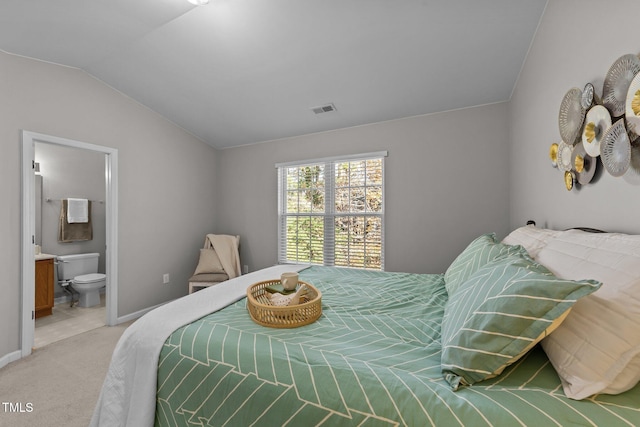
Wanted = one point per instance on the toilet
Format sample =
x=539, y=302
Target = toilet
x=81, y=272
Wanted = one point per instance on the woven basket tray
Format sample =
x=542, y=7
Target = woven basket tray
x=264, y=313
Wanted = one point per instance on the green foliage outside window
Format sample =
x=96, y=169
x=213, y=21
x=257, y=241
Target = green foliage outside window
x=354, y=214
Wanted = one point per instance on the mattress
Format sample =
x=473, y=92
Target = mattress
x=373, y=358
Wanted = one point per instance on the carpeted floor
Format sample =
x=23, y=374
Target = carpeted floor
x=59, y=384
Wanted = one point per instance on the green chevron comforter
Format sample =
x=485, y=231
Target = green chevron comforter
x=372, y=359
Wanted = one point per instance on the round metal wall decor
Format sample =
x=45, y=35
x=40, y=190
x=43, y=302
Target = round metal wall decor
x=588, y=96
x=564, y=156
x=616, y=149
x=571, y=116
x=617, y=81
x=553, y=154
x=597, y=121
x=583, y=164
x=632, y=176
x=607, y=128
x=568, y=180
x=632, y=106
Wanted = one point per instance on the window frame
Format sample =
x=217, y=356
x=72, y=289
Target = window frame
x=329, y=214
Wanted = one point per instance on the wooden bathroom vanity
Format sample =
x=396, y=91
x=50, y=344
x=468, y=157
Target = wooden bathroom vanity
x=44, y=285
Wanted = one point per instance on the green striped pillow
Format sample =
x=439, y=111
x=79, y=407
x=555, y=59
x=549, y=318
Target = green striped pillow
x=481, y=251
x=500, y=313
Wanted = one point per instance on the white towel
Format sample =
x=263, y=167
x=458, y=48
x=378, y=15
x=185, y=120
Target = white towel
x=77, y=211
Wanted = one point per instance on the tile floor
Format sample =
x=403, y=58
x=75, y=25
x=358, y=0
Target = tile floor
x=68, y=321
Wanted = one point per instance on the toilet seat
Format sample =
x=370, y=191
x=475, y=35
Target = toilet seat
x=89, y=278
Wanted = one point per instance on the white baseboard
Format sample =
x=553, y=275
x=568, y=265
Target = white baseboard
x=11, y=357
x=137, y=314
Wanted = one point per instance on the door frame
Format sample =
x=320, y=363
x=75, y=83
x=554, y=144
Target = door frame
x=29, y=139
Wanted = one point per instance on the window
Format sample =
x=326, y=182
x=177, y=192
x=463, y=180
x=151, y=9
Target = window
x=331, y=211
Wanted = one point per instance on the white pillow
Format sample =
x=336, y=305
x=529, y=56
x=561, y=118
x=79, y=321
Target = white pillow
x=532, y=238
x=597, y=348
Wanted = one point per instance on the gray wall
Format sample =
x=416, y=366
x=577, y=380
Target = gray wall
x=166, y=192
x=576, y=43
x=446, y=182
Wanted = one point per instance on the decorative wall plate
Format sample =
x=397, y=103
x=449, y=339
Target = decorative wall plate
x=632, y=106
x=615, y=149
x=583, y=164
x=616, y=83
x=553, y=154
x=597, y=121
x=571, y=116
x=632, y=176
x=568, y=180
x=588, y=96
x=564, y=156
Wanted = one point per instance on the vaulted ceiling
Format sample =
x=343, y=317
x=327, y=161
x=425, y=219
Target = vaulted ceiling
x=237, y=72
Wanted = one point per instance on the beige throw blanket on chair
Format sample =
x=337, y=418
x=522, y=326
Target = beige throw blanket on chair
x=227, y=249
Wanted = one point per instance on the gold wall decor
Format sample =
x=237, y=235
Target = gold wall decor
x=553, y=154
x=604, y=129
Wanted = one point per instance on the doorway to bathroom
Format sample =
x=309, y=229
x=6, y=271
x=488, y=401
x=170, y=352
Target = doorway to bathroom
x=64, y=172
x=55, y=169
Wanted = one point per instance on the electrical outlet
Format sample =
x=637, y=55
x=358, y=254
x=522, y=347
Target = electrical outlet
x=165, y=278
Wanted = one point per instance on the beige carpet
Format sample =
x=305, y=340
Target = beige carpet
x=60, y=382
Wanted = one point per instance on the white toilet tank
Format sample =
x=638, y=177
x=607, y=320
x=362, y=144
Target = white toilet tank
x=70, y=266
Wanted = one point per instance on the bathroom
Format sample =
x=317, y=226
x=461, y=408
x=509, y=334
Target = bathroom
x=68, y=172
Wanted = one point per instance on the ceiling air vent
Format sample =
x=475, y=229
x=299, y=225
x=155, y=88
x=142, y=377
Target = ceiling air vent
x=328, y=108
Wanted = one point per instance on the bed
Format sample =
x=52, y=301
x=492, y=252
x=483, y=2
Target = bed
x=388, y=349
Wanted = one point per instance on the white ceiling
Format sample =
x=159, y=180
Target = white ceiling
x=237, y=72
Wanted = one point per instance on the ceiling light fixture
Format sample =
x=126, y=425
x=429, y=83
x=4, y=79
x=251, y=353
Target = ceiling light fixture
x=198, y=2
